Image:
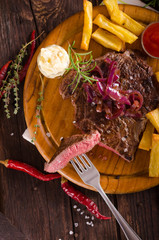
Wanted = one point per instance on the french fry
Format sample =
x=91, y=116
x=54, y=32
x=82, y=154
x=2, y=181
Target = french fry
x=130, y=24
x=154, y=157
x=153, y=116
x=122, y=18
x=157, y=76
x=112, y=7
x=107, y=39
x=119, y=31
x=87, y=28
x=146, y=140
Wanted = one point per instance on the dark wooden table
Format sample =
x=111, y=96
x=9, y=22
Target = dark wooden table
x=41, y=210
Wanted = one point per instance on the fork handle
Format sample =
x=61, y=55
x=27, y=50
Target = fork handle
x=130, y=234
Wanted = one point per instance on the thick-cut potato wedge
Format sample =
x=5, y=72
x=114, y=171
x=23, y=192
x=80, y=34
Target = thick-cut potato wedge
x=87, y=28
x=113, y=8
x=146, y=140
x=153, y=116
x=130, y=24
x=107, y=39
x=122, y=18
x=157, y=76
x=119, y=31
x=154, y=157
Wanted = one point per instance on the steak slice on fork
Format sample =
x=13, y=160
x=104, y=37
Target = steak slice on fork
x=71, y=147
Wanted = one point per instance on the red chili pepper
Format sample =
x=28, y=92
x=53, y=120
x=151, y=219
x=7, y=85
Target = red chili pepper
x=81, y=198
x=23, y=72
x=3, y=72
x=29, y=169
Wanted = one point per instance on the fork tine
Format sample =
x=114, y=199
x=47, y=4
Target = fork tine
x=88, y=160
x=75, y=167
x=79, y=164
x=83, y=161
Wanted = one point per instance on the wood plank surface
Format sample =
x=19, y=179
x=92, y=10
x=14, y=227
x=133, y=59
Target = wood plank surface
x=8, y=231
x=41, y=210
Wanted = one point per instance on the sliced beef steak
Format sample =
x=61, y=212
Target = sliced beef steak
x=122, y=134
x=71, y=147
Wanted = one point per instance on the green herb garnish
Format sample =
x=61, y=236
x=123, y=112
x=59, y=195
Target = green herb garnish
x=80, y=66
x=152, y=3
x=38, y=109
x=12, y=81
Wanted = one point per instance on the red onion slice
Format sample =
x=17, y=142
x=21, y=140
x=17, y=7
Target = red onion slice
x=98, y=70
x=119, y=112
x=108, y=60
x=117, y=96
x=101, y=88
x=136, y=100
x=108, y=97
x=132, y=114
x=90, y=92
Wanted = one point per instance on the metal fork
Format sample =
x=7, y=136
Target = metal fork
x=90, y=175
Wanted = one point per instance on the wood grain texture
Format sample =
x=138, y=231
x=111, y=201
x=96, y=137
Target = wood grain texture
x=42, y=211
x=8, y=231
x=117, y=175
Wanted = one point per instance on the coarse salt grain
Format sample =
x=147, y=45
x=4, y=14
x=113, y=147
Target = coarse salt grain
x=75, y=206
x=78, y=209
x=12, y=134
x=90, y=223
x=71, y=232
x=82, y=212
x=87, y=217
x=92, y=217
x=123, y=139
x=76, y=224
x=48, y=134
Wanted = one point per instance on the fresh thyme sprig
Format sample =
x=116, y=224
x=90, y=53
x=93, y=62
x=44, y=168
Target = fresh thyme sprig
x=12, y=81
x=80, y=66
x=38, y=109
x=16, y=74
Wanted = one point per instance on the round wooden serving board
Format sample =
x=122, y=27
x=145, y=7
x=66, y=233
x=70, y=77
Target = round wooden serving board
x=117, y=175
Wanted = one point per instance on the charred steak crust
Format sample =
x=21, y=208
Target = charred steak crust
x=122, y=134
x=67, y=142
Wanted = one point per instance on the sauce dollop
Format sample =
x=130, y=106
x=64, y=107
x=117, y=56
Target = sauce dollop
x=53, y=61
x=150, y=40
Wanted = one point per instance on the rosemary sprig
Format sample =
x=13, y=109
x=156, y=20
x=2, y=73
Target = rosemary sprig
x=152, y=3
x=79, y=65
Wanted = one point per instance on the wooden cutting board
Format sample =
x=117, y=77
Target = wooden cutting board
x=117, y=175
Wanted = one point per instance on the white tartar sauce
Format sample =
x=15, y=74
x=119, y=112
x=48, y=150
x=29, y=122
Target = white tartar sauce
x=53, y=61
